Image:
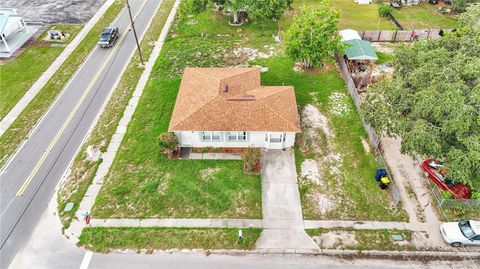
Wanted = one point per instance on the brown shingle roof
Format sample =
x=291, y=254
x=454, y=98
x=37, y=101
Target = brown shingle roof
x=202, y=104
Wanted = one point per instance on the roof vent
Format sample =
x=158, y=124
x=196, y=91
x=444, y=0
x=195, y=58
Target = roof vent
x=225, y=88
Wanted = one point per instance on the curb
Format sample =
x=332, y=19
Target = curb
x=424, y=256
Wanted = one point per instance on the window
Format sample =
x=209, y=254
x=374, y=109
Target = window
x=211, y=136
x=237, y=136
x=275, y=138
x=476, y=238
x=466, y=229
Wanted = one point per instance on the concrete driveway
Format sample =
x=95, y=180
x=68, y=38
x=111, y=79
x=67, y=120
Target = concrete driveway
x=282, y=211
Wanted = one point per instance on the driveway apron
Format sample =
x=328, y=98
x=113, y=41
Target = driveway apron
x=282, y=211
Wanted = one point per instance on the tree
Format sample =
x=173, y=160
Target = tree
x=433, y=100
x=235, y=7
x=312, y=36
x=460, y=6
x=199, y=6
x=272, y=9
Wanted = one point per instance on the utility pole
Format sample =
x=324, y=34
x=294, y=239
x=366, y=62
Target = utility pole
x=134, y=32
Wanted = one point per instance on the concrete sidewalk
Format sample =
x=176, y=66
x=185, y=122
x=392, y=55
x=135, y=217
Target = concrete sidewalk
x=88, y=201
x=282, y=211
x=47, y=75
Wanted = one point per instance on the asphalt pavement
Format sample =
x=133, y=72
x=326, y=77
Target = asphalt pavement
x=28, y=181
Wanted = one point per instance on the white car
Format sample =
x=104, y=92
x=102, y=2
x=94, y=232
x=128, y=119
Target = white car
x=461, y=233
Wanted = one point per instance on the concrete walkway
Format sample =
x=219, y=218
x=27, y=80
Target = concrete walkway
x=47, y=75
x=282, y=211
x=214, y=156
x=357, y=225
x=86, y=205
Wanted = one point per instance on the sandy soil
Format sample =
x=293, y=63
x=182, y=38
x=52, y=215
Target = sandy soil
x=422, y=215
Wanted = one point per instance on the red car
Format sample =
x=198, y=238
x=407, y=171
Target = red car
x=456, y=188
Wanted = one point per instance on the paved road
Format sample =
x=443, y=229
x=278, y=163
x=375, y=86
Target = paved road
x=48, y=249
x=27, y=183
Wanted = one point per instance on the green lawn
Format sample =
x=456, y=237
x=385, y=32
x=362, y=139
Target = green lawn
x=352, y=15
x=361, y=17
x=83, y=170
x=363, y=239
x=357, y=195
x=424, y=16
x=104, y=239
x=19, y=129
x=143, y=183
x=19, y=74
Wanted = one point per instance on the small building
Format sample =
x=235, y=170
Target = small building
x=349, y=34
x=360, y=50
x=360, y=57
x=228, y=108
x=13, y=31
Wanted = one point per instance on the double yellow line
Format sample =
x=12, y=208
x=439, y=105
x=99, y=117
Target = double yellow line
x=75, y=109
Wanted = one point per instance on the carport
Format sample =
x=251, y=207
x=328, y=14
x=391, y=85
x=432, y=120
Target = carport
x=13, y=31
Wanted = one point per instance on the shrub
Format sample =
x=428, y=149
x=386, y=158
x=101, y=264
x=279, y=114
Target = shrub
x=447, y=195
x=383, y=11
x=251, y=159
x=199, y=6
x=476, y=195
x=168, y=143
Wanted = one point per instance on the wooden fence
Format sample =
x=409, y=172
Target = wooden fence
x=401, y=35
x=372, y=135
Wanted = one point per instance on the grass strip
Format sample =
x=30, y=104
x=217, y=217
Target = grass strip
x=105, y=239
x=362, y=239
x=83, y=170
x=19, y=74
x=20, y=128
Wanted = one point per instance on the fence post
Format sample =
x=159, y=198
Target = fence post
x=379, y=34
x=395, y=36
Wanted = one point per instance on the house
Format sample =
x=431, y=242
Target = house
x=228, y=108
x=13, y=31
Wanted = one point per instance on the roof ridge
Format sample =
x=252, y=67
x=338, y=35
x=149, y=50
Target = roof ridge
x=273, y=94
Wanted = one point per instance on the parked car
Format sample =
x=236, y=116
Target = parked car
x=433, y=170
x=461, y=233
x=108, y=37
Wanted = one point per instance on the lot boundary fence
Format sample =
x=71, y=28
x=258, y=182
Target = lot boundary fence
x=372, y=135
x=402, y=35
x=444, y=203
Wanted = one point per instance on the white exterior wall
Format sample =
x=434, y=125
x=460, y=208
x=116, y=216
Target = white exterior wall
x=254, y=140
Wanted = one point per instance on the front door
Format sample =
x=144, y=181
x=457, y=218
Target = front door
x=275, y=140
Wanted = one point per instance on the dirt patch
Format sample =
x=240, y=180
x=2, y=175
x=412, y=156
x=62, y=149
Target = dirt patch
x=324, y=203
x=206, y=174
x=250, y=54
x=384, y=47
x=310, y=170
x=312, y=118
x=337, y=239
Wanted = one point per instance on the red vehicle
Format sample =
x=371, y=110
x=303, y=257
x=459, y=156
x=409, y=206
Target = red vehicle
x=432, y=169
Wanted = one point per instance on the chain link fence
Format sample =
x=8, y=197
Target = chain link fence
x=444, y=203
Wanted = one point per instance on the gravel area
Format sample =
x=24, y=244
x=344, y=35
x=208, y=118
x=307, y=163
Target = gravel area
x=55, y=11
